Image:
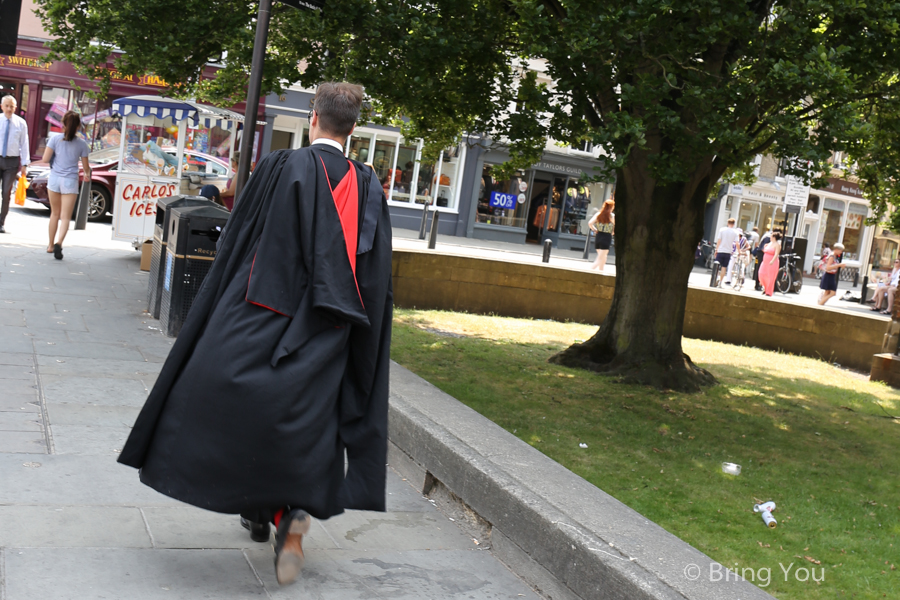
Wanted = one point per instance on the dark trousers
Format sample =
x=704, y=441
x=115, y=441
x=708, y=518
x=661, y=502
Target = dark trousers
x=756, y=273
x=9, y=172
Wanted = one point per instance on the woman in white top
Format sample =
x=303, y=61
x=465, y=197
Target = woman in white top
x=64, y=150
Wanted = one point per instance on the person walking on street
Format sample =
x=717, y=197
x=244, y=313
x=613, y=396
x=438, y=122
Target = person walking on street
x=603, y=224
x=829, y=283
x=273, y=401
x=754, y=238
x=768, y=269
x=14, y=153
x=724, y=244
x=63, y=152
x=758, y=253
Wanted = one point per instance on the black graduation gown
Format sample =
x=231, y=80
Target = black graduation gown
x=282, y=364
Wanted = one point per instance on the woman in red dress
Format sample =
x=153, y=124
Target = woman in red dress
x=768, y=268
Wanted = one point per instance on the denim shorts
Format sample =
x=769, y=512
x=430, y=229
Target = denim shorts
x=62, y=185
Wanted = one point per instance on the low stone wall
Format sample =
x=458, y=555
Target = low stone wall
x=563, y=535
x=439, y=281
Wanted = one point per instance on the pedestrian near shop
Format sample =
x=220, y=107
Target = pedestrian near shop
x=758, y=254
x=603, y=224
x=724, y=243
x=832, y=266
x=768, y=270
x=272, y=403
x=14, y=153
x=64, y=151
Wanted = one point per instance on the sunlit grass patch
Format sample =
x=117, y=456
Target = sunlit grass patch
x=808, y=435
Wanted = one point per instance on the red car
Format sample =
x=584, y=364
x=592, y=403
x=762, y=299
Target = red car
x=104, y=168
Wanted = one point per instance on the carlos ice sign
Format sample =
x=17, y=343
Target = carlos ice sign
x=135, y=213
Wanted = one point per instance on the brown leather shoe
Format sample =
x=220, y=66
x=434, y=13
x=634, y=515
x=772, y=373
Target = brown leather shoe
x=289, y=545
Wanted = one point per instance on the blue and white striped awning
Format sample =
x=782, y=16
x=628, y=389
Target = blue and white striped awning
x=156, y=106
x=178, y=110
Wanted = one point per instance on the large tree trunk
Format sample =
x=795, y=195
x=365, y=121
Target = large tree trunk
x=657, y=231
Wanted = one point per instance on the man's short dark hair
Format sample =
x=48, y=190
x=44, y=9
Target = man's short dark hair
x=338, y=105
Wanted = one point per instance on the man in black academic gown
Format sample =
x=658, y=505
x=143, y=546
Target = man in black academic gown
x=279, y=376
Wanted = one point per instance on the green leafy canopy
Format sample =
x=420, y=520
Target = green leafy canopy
x=677, y=91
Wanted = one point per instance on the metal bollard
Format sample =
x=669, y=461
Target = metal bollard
x=856, y=278
x=548, y=244
x=432, y=237
x=587, y=246
x=424, y=221
x=715, y=273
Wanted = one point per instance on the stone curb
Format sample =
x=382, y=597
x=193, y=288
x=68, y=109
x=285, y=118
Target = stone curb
x=564, y=536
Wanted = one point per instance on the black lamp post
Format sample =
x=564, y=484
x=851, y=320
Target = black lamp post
x=253, y=89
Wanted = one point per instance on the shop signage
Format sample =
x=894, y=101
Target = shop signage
x=842, y=186
x=751, y=193
x=737, y=189
x=797, y=193
x=33, y=61
x=500, y=200
x=545, y=166
x=521, y=198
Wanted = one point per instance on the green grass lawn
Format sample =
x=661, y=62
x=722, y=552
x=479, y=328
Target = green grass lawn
x=808, y=435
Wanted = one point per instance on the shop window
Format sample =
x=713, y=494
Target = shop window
x=445, y=170
x=54, y=104
x=884, y=249
x=580, y=203
x=812, y=205
x=502, y=202
x=359, y=148
x=383, y=163
x=830, y=224
x=748, y=215
x=406, y=170
x=281, y=140
x=853, y=228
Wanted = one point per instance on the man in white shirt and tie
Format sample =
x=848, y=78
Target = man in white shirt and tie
x=14, y=152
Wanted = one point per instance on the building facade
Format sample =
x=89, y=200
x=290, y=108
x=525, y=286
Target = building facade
x=834, y=214
x=44, y=90
x=551, y=200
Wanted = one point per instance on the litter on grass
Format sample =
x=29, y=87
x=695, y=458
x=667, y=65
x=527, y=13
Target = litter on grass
x=582, y=445
x=731, y=468
x=765, y=511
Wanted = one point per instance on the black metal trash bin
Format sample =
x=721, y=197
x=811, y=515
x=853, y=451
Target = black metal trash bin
x=158, y=251
x=191, y=249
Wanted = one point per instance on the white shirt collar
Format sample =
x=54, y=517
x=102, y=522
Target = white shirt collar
x=328, y=142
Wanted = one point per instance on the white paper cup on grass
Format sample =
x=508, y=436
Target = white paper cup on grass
x=731, y=468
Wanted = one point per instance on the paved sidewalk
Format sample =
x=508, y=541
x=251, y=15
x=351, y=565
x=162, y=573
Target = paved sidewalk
x=77, y=358
x=569, y=259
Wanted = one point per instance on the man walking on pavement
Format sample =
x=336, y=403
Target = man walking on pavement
x=15, y=153
x=273, y=401
x=724, y=246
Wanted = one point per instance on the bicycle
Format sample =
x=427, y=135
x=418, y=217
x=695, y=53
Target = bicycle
x=741, y=262
x=788, y=273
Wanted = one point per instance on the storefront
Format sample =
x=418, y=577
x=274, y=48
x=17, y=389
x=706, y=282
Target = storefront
x=409, y=182
x=551, y=200
x=45, y=90
x=834, y=214
x=841, y=217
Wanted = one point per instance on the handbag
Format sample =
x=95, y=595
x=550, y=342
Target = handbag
x=20, y=190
